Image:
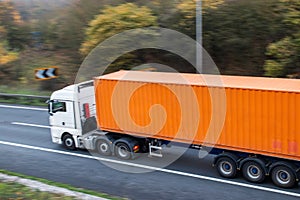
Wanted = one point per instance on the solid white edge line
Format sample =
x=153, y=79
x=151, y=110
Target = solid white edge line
x=32, y=125
x=154, y=168
x=22, y=107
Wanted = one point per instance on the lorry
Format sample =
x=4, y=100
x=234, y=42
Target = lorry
x=251, y=124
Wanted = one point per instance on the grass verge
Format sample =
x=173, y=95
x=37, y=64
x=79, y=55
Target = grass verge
x=11, y=190
x=24, y=90
x=62, y=185
x=23, y=101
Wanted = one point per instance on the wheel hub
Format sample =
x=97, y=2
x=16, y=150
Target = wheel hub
x=104, y=147
x=123, y=151
x=69, y=142
x=254, y=172
x=226, y=167
x=283, y=176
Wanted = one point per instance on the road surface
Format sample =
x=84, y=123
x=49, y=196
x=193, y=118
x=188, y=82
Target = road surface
x=26, y=147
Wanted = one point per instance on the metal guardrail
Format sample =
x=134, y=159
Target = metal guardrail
x=24, y=97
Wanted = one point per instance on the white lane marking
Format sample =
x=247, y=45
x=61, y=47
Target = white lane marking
x=22, y=107
x=155, y=168
x=33, y=125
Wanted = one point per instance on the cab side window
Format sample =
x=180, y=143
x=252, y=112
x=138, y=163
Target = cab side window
x=58, y=107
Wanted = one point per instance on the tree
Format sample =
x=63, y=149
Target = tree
x=8, y=16
x=6, y=56
x=283, y=55
x=188, y=6
x=17, y=32
x=68, y=25
x=113, y=20
x=187, y=17
x=237, y=34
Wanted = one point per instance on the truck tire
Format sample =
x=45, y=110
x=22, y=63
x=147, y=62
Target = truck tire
x=253, y=172
x=226, y=167
x=103, y=148
x=283, y=176
x=122, y=151
x=68, y=142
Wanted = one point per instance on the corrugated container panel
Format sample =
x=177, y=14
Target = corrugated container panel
x=205, y=112
x=258, y=110
x=268, y=112
x=257, y=117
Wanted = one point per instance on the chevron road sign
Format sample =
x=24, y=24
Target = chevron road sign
x=46, y=73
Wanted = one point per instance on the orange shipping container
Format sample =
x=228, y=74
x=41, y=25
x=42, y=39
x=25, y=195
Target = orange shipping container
x=248, y=114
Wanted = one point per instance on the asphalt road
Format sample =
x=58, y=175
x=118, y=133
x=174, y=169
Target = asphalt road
x=27, y=149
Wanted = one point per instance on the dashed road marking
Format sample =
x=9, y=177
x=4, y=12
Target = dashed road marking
x=32, y=125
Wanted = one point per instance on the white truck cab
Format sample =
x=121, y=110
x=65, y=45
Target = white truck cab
x=72, y=114
x=73, y=123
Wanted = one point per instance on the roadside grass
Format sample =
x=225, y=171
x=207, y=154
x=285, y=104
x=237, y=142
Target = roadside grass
x=62, y=185
x=27, y=89
x=11, y=190
x=23, y=100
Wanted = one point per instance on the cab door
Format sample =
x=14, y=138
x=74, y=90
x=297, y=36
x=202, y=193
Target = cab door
x=62, y=114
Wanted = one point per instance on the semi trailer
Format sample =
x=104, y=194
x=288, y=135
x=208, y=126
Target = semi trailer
x=251, y=124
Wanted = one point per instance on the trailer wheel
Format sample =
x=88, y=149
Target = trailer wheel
x=227, y=167
x=68, y=142
x=253, y=172
x=103, y=148
x=283, y=176
x=122, y=151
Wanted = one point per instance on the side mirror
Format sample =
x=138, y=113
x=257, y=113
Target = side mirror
x=49, y=102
